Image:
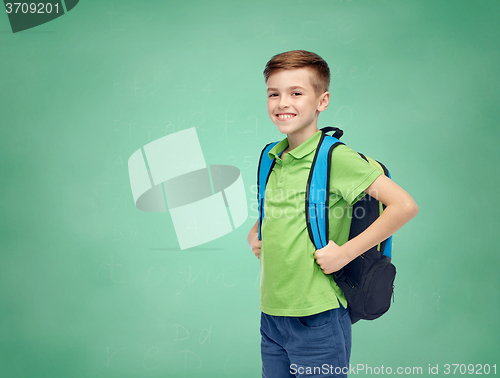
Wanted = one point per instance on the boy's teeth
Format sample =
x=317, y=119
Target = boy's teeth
x=285, y=115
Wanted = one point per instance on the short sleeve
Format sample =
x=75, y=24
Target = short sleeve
x=350, y=174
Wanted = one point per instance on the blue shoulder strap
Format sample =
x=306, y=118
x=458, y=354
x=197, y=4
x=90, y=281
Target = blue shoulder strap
x=318, y=189
x=265, y=167
x=388, y=242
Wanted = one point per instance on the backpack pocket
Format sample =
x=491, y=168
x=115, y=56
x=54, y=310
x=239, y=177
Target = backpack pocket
x=378, y=288
x=372, y=297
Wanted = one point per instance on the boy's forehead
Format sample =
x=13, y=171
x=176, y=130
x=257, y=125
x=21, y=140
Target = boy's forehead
x=291, y=78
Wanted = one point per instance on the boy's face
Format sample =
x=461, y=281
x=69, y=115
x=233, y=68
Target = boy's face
x=292, y=104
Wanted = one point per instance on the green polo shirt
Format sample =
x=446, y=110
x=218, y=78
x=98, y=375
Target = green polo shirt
x=292, y=284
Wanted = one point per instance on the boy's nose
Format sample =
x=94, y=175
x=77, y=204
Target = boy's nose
x=284, y=103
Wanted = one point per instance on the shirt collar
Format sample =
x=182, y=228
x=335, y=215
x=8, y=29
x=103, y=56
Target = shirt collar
x=299, y=152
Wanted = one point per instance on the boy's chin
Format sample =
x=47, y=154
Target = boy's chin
x=287, y=130
x=284, y=129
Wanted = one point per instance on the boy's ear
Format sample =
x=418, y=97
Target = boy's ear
x=324, y=101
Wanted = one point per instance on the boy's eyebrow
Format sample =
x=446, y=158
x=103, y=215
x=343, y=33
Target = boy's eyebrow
x=290, y=88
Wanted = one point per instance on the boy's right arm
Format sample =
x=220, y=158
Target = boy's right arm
x=253, y=239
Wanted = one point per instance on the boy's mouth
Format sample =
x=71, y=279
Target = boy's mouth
x=285, y=116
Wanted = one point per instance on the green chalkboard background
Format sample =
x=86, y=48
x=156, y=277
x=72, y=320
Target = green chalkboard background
x=92, y=287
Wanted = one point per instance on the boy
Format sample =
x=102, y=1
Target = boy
x=305, y=323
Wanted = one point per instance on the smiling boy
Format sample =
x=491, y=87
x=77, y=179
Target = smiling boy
x=305, y=322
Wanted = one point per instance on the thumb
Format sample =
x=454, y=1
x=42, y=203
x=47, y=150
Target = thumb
x=331, y=243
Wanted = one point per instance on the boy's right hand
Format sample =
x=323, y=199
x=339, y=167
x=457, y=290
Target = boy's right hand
x=255, y=245
x=253, y=239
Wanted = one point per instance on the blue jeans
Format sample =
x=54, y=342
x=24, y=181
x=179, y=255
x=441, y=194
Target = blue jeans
x=309, y=346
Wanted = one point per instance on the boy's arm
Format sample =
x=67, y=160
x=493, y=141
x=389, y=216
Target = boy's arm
x=400, y=209
x=253, y=239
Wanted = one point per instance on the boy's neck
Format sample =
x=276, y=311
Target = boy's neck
x=295, y=139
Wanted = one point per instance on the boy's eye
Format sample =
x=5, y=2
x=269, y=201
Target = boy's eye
x=293, y=94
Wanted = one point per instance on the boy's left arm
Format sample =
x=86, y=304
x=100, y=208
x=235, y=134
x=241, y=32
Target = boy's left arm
x=400, y=208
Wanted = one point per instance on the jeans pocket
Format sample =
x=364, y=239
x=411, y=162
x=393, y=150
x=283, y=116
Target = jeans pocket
x=317, y=320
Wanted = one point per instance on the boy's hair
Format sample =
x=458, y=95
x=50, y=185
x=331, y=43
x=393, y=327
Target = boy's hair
x=301, y=59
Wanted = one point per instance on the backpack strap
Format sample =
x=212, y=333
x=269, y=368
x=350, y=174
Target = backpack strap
x=385, y=246
x=337, y=132
x=265, y=167
x=387, y=250
x=318, y=188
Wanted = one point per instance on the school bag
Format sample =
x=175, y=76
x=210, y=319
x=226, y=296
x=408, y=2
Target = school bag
x=368, y=280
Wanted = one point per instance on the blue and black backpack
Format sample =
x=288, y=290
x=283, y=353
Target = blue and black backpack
x=366, y=281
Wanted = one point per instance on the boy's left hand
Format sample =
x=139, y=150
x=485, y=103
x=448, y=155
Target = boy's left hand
x=331, y=258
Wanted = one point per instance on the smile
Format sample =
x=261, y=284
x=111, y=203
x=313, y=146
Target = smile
x=285, y=116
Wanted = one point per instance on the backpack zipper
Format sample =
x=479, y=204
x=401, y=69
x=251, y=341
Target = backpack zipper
x=349, y=281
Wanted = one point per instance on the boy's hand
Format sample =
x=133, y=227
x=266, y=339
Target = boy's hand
x=331, y=258
x=253, y=239
x=255, y=245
